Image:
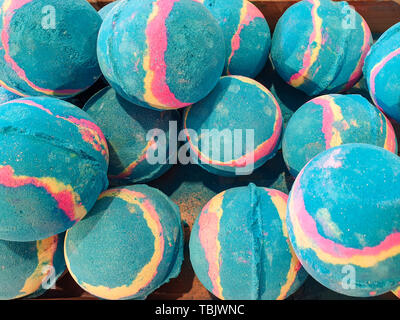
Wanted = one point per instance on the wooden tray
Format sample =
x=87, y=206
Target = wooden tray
x=380, y=15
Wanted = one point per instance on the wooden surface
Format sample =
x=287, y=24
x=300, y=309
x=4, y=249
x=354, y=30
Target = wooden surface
x=379, y=14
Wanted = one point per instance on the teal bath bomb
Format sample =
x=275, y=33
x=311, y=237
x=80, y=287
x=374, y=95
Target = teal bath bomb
x=319, y=46
x=382, y=71
x=247, y=35
x=137, y=152
x=191, y=187
x=30, y=267
x=332, y=120
x=239, y=246
x=53, y=166
x=48, y=47
x=236, y=129
x=174, y=51
x=129, y=244
x=6, y=95
x=344, y=219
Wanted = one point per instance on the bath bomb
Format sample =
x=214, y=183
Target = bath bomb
x=128, y=245
x=138, y=138
x=30, y=267
x=236, y=129
x=106, y=9
x=48, y=47
x=382, y=71
x=53, y=166
x=191, y=187
x=332, y=120
x=247, y=35
x=344, y=219
x=174, y=48
x=239, y=246
x=319, y=46
x=6, y=95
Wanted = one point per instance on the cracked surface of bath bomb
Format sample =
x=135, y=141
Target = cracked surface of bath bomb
x=28, y=267
x=236, y=129
x=48, y=47
x=128, y=245
x=382, y=72
x=53, y=166
x=344, y=219
x=6, y=95
x=175, y=49
x=332, y=120
x=239, y=246
x=247, y=35
x=318, y=49
x=137, y=151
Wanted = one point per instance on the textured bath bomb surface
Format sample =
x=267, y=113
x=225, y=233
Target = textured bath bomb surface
x=319, y=46
x=48, y=47
x=30, y=267
x=247, y=35
x=6, y=95
x=53, y=166
x=128, y=245
x=344, y=219
x=332, y=120
x=174, y=48
x=133, y=146
x=239, y=246
x=106, y=9
x=246, y=119
x=382, y=71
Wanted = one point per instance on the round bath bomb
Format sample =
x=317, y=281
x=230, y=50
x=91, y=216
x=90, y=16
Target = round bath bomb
x=53, y=166
x=48, y=47
x=106, y=9
x=138, y=138
x=319, y=46
x=30, y=267
x=128, y=245
x=191, y=187
x=382, y=71
x=247, y=35
x=6, y=95
x=332, y=120
x=344, y=219
x=174, y=48
x=236, y=129
x=239, y=246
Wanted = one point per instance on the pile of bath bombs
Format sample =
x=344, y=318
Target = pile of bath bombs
x=179, y=149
